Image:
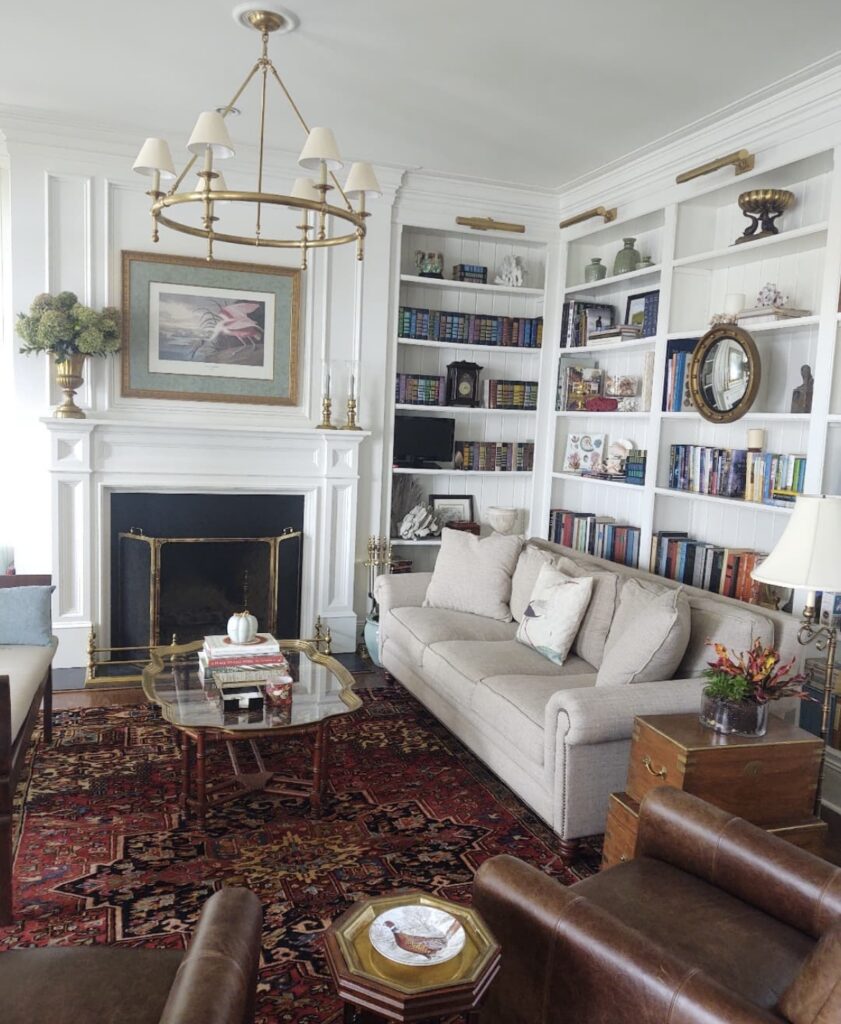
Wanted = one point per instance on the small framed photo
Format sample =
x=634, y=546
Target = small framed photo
x=452, y=508
x=641, y=311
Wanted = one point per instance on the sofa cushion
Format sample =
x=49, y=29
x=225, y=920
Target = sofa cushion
x=516, y=705
x=592, y=635
x=25, y=667
x=529, y=564
x=554, y=613
x=477, y=660
x=415, y=628
x=473, y=575
x=711, y=619
x=648, y=637
x=814, y=997
x=26, y=616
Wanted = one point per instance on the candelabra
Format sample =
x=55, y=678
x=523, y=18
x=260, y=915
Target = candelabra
x=824, y=638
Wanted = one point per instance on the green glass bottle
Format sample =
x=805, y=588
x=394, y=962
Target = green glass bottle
x=627, y=258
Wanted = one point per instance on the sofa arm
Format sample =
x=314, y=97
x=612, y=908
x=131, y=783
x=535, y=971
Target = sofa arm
x=567, y=961
x=401, y=590
x=758, y=868
x=217, y=980
x=602, y=714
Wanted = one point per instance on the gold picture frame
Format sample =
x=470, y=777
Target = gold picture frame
x=201, y=331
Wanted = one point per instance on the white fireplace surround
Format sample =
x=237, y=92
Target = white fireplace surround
x=91, y=458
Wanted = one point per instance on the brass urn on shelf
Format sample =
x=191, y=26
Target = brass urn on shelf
x=763, y=206
x=68, y=375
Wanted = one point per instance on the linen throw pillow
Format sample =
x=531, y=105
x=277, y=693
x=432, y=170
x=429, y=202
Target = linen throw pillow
x=473, y=575
x=25, y=616
x=648, y=637
x=554, y=613
x=529, y=564
x=592, y=636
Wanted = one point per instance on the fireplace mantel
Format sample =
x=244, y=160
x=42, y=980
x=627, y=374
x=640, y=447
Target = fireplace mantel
x=90, y=458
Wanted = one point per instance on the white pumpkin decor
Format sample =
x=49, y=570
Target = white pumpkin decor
x=242, y=627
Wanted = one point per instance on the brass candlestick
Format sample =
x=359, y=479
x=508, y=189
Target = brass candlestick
x=351, y=416
x=326, y=414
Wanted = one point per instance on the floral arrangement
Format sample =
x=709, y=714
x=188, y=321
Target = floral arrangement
x=755, y=675
x=61, y=325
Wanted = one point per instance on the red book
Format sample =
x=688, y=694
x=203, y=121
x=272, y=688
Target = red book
x=246, y=659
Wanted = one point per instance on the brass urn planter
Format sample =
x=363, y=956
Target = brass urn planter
x=68, y=375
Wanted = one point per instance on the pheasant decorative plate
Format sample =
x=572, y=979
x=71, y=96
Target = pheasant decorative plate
x=416, y=935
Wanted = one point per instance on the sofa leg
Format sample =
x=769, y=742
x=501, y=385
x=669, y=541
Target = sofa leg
x=6, y=916
x=48, y=707
x=569, y=851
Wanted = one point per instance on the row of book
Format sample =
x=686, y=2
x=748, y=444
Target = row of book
x=419, y=389
x=502, y=456
x=763, y=477
x=512, y=394
x=595, y=535
x=220, y=656
x=587, y=323
x=721, y=570
x=676, y=394
x=470, y=328
x=472, y=272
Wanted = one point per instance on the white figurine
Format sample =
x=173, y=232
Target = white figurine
x=770, y=295
x=511, y=273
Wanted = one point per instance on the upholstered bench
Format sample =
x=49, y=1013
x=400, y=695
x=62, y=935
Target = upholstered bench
x=25, y=680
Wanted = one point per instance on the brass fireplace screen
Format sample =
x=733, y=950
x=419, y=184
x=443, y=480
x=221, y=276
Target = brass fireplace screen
x=180, y=589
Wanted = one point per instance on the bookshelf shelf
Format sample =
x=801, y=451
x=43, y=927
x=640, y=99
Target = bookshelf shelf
x=598, y=481
x=613, y=346
x=615, y=280
x=786, y=243
x=469, y=286
x=463, y=410
x=755, y=506
x=425, y=542
x=500, y=473
x=518, y=350
x=773, y=417
x=781, y=325
x=611, y=414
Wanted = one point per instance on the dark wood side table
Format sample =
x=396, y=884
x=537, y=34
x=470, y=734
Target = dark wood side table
x=768, y=780
x=375, y=988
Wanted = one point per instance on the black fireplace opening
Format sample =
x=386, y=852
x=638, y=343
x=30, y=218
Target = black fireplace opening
x=181, y=564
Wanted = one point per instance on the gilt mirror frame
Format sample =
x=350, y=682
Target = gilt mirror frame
x=702, y=349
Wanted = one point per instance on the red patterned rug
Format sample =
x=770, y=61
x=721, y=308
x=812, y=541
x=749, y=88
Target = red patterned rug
x=103, y=857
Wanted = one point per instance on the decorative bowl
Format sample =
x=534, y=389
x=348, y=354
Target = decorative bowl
x=502, y=520
x=417, y=935
x=758, y=200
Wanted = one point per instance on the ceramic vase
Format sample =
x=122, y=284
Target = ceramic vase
x=68, y=375
x=627, y=258
x=501, y=519
x=741, y=717
x=595, y=270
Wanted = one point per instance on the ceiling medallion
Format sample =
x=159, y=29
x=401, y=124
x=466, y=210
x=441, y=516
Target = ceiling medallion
x=210, y=143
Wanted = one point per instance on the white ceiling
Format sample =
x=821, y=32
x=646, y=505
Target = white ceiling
x=538, y=92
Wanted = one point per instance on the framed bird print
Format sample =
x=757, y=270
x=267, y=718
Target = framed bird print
x=209, y=332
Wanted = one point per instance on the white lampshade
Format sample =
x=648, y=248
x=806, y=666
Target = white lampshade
x=211, y=131
x=320, y=146
x=154, y=157
x=808, y=555
x=362, y=181
x=304, y=188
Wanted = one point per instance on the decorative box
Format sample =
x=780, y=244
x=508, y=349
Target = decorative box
x=464, y=525
x=242, y=698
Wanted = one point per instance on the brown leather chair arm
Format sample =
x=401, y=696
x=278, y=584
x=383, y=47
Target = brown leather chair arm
x=782, y=880
x=565, y=960
x=217, y=980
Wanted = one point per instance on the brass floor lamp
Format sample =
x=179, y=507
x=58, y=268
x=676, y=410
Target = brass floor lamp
x=808, y=557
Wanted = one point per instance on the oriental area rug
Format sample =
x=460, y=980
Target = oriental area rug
x=103, y=856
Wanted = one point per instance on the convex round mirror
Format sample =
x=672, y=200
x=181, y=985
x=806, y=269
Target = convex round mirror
x=724, y=373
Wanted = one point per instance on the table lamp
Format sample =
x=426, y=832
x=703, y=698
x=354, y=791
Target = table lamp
x=808, y=557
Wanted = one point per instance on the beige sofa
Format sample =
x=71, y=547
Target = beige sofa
x=553, y=736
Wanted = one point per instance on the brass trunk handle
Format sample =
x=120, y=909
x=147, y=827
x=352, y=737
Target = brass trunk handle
x=741, y=160
x=597, y=211
x=658, y=773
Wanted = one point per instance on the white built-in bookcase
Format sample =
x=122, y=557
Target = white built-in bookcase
x=691, y=242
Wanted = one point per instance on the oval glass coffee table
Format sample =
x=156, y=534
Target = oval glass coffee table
x=322, y=689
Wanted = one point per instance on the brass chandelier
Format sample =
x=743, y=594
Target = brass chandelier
x=210, y=143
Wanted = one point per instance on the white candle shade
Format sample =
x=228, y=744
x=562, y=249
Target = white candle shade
x=304, y=188
x=734, y=302
x=154, y=158
x=361, y=181
x=217, y=184
x=211, y=133
x=808, y=554
x=320, y=147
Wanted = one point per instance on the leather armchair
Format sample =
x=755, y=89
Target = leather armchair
x=214, y=982
x=711, y=922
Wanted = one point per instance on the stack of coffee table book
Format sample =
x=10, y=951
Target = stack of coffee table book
x=227, y=662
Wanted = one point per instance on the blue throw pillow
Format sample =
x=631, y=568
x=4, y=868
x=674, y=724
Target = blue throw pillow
x=25, y=616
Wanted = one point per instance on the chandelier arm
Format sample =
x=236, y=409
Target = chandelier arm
x=261, y=243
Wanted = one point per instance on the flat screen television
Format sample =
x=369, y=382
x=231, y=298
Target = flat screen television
x=420, y=440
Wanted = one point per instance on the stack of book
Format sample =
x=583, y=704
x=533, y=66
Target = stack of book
x=763, y=477
x=635, y=466
x=770, y=314
x=221, y=655
x=419, y=389
x=721, y=570
x=470, y=328
x=676, y=394
x=512, y=394
x=595, y=535
x=472, y=272
x=621, y=332
x=501, y=456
